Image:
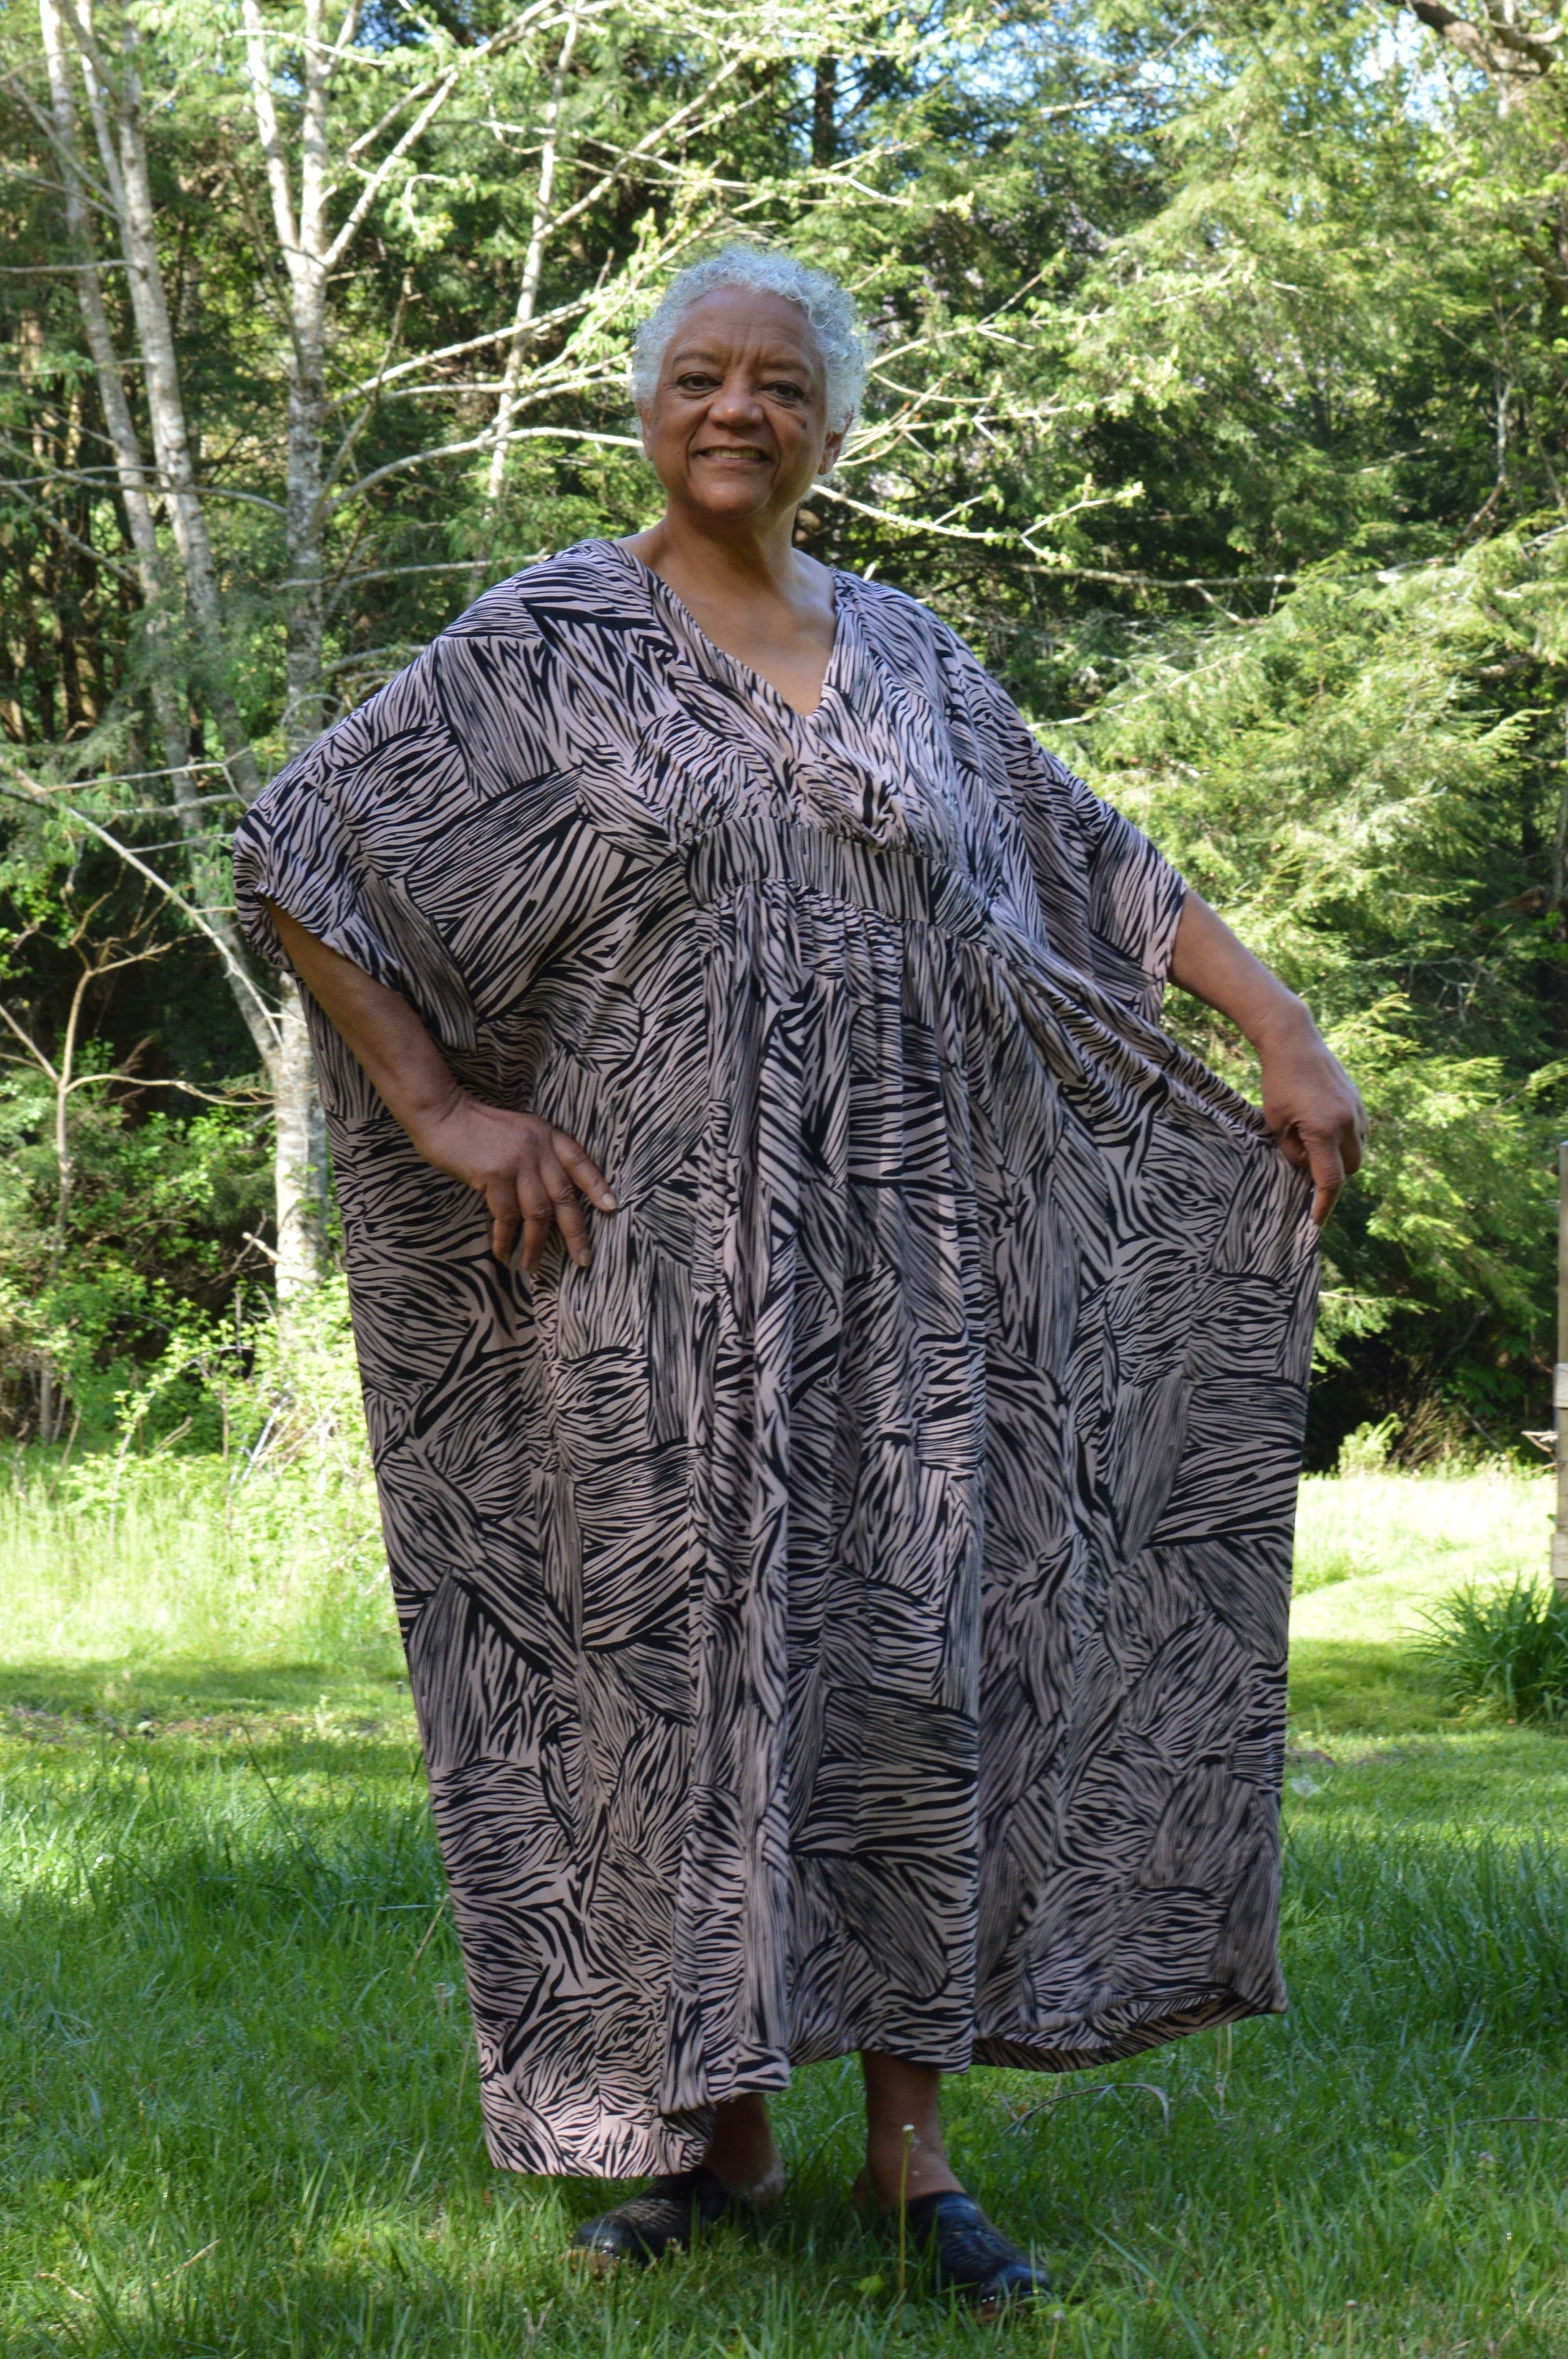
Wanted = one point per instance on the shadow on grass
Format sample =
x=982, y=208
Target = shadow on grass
x=1363, y=1687
x=204, y=1700
x=1336, y=1687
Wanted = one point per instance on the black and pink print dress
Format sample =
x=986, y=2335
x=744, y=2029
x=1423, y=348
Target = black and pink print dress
x=852, y=1613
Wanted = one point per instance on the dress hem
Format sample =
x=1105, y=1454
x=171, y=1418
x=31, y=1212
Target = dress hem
x=668, y=2146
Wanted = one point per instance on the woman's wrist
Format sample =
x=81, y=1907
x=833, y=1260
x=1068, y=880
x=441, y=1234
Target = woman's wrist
x=426, y=1113
x=1283, y=1021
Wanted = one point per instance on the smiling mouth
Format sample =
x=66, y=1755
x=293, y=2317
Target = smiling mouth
x=730, y=451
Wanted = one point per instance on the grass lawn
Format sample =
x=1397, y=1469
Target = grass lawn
x=237, y=2113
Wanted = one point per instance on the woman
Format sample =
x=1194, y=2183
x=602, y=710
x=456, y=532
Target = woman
x=844, y=1555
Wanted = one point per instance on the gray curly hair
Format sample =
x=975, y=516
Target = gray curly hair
x=845, y=345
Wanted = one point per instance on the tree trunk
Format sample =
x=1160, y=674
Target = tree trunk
x=116, y=107
x=151, y=572
x=825, y=110
x=533, y=269
x=114, y=101
x=116, y=409
x=299, y=1157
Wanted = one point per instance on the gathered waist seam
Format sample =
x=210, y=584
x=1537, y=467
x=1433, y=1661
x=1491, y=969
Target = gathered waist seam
x=896, y=882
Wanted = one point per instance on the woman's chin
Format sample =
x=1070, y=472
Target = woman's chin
x=736, y=500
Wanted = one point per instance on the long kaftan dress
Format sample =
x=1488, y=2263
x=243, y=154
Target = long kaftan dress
x=852, y=1613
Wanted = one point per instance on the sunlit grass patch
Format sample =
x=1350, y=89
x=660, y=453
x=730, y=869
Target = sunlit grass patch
x=1376, y=1553
x=1405, y=1540
x=144, y=1564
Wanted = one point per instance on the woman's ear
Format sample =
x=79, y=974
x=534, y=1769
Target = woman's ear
x=831, y=449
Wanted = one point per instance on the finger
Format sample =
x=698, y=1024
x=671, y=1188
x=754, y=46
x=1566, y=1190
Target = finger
x=538, y=1216
x=501, y=1203
x=1288, y=1139
x=1352, y=1145
x=504, y=1233
x=586, y=1173
x=1326, y=1164
x=566, y=1205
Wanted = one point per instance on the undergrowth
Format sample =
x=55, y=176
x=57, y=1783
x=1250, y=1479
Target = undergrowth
x=1503, y=1654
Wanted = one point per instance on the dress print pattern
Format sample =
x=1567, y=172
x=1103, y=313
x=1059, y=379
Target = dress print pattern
x=852, y=1613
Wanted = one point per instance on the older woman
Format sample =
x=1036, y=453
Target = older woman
x=843, y=1555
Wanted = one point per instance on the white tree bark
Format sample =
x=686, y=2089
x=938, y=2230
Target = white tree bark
x=151, y=572
x=114, y=106
x=304, y=241
x=299, y=1157
x=532, y=262
x=111, y=387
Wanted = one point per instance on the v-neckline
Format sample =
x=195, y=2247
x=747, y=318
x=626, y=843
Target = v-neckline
x=755, y=680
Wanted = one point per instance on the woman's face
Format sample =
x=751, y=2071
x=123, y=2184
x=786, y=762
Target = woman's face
x=737, y=424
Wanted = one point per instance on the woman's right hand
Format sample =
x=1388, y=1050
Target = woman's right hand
x=531, y=1176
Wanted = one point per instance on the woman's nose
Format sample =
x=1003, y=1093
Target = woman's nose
x=735, y=400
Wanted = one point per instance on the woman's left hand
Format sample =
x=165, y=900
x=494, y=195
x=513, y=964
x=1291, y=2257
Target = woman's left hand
x=1310, y=1103
x=1312, y=1106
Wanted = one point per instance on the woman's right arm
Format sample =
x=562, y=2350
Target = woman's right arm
x=529, y=1174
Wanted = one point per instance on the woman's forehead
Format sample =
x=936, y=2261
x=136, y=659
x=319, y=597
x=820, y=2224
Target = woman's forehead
x=750, y=319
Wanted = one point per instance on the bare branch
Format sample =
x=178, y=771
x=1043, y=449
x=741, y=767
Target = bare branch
x=1498, y=44
x=991, y=539
x=73, y=539
x=271, y=136
x=356, y=426
x=479, y=442
x=508, y=334
x=52, y=270
x=651, y=138
x=29, y=790
x=376, y=181
x=398, y=573
x=29, y=1044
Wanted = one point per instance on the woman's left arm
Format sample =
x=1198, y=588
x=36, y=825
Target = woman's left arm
x=1310, y=1103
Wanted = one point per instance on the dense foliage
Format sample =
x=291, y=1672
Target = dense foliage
x=1220, y=403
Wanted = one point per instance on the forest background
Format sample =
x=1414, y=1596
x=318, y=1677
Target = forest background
x=1220, y=396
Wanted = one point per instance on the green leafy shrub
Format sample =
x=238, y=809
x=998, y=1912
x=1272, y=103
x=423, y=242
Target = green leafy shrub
x=1365, y=1451
x=100, y=1281
x=1502, y=1654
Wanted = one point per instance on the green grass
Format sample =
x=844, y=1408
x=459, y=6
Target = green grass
x=237, y=2115
x=1375, y=1554
x=188, y=1561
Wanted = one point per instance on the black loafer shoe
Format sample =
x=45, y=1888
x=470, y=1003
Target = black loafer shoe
x=968, y=2256
x=663, y=2219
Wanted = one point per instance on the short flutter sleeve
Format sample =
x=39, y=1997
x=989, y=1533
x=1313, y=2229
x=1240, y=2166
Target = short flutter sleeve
x=322, y=844
x=1111, y=902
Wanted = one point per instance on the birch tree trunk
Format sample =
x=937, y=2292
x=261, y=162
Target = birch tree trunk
x=533, y=267
x=116, y=411
x=114, y=104
x=304, y=244
x=151, y=572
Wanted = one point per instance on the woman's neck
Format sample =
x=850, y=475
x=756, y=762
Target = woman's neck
x=709, y=560
x=764, y=604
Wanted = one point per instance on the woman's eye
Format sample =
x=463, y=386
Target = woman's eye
x=787, y=392
x=696, y=384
